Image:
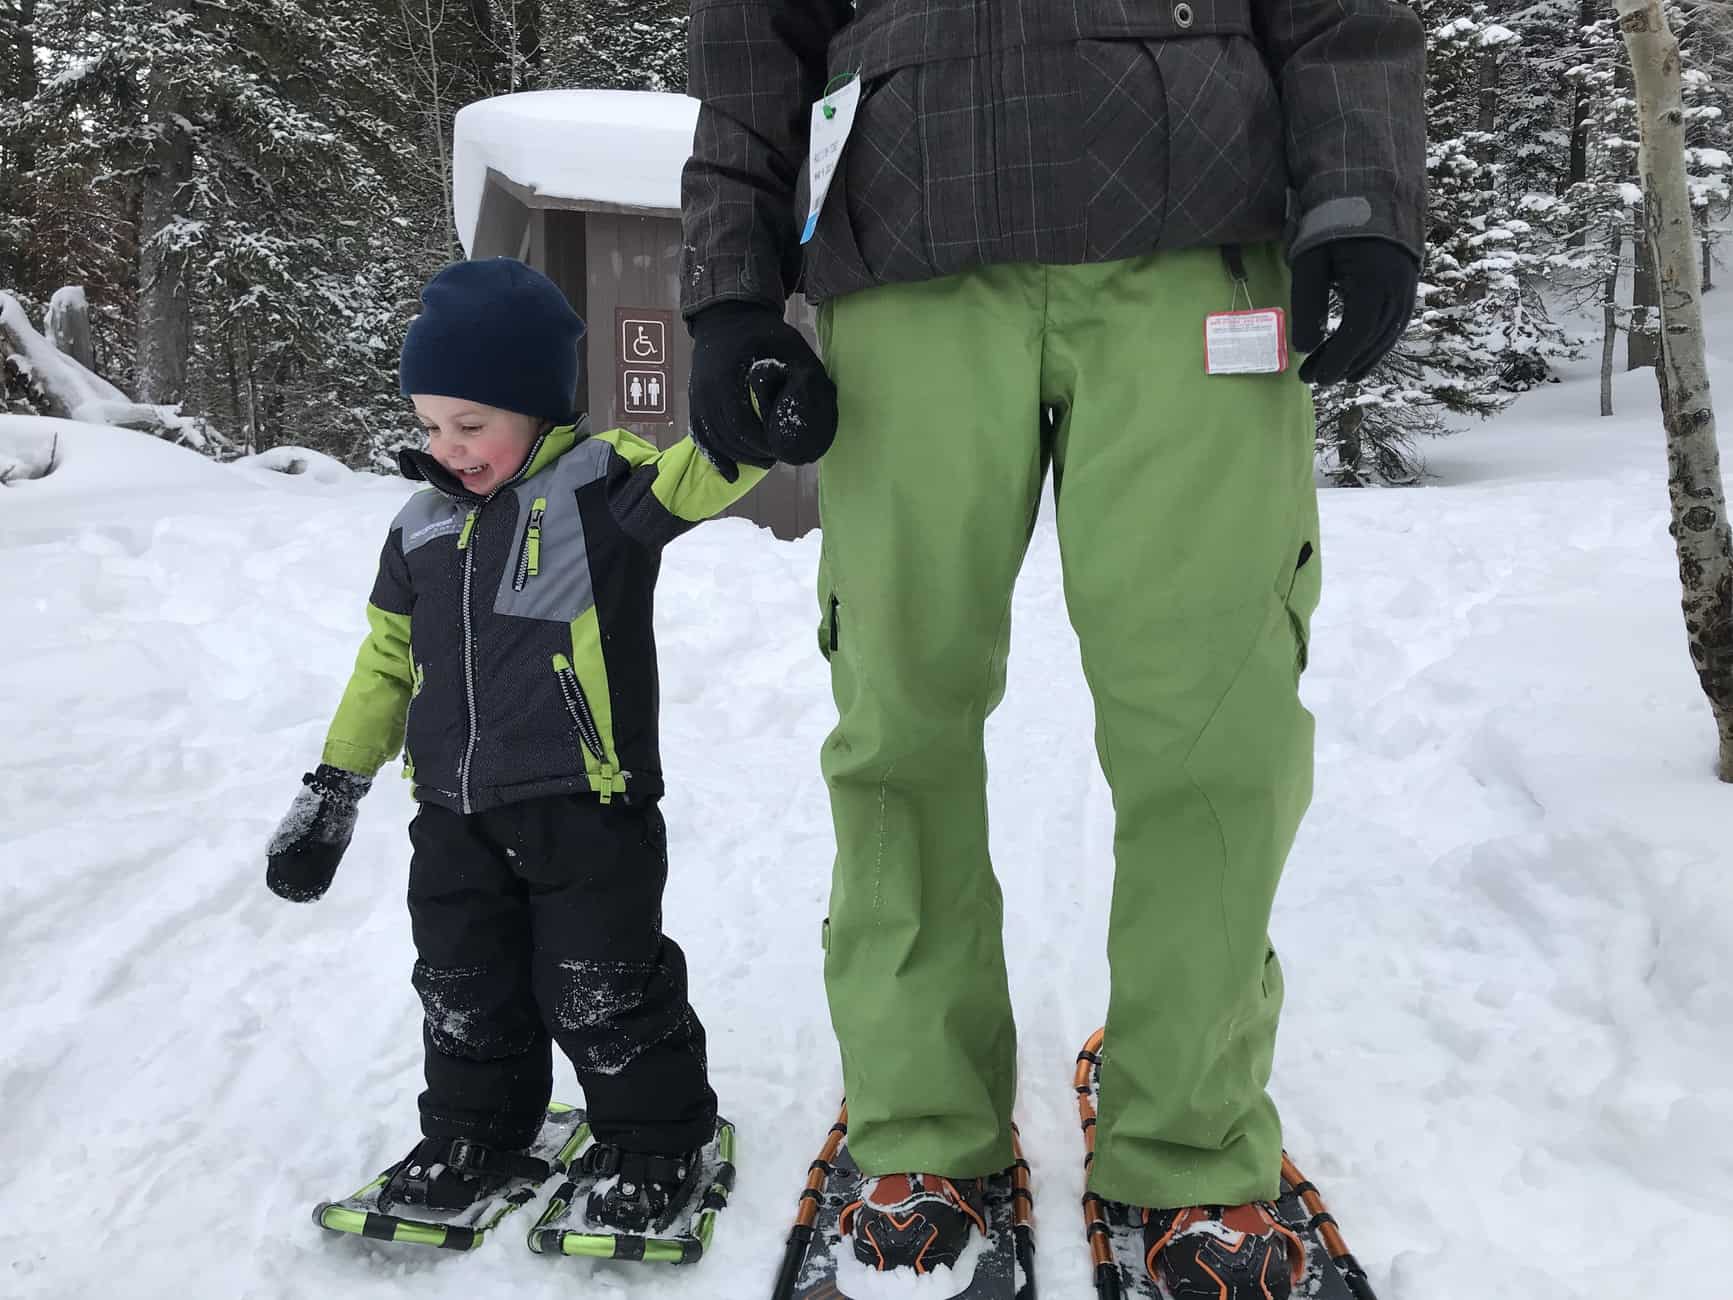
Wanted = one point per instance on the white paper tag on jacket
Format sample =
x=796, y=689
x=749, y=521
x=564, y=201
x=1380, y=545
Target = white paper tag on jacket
x=1245, y=342
x=832, y=118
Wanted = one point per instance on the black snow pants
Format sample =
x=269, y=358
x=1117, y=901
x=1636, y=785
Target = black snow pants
x=541, y=922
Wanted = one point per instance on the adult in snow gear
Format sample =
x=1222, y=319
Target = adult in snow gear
x=497, y=332
x=539, y=922
x=1240, y=1252
x=758, y=394
x=1376, y=281
x=638, y=1191
x=914, y=1221
x=1015, y=263
x=303, y=854
x=1188, y=528
x=443, y=1173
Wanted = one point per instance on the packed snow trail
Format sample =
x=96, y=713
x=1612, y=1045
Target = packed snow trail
x=1507, y=1056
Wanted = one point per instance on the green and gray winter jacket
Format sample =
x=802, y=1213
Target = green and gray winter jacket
x=511, y=652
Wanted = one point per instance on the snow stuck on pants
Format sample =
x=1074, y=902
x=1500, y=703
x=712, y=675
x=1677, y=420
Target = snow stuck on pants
x=1507, y=1056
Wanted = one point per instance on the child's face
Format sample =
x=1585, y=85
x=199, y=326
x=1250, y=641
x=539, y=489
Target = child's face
x=483, y=445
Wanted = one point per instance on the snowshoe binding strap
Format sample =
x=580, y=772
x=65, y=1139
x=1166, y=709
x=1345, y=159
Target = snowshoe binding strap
x=638, y=1191
x=473, y=1158
x=454, y=1173
x=604, y=1161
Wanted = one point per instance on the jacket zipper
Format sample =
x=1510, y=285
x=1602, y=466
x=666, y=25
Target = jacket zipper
x=469, y=623
x=991, y=123
x=468, y=682
x=579, y=707
x=530, y=552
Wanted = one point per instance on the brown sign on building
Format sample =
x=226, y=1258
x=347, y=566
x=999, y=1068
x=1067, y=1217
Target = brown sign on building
x=641, y=365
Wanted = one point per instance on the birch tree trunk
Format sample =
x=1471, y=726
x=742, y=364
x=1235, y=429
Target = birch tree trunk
x=1610, y=320
x=1700, y=529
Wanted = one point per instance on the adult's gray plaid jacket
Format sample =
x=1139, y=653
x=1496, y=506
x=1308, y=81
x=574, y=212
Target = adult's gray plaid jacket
x=1054, y=131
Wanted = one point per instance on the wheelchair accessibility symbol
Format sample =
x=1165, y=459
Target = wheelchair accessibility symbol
x=643, y=342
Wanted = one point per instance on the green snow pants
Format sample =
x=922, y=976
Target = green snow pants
x=1187, y=521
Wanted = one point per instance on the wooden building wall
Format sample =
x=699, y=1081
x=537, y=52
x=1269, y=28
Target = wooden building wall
x=608, y=259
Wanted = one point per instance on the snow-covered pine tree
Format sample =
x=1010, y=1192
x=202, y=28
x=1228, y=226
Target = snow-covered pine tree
x=1706, y=45
x=1592, y=219
x=1479, y=321
x=616, y=44
x=260, y=156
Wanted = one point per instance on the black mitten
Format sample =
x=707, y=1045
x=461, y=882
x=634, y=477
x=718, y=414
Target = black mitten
x=1376, y=281
x=758, y=394
x=303, y=855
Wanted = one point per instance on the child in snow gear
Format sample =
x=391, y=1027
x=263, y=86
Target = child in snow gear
x=512, y=647
x=1036, y=208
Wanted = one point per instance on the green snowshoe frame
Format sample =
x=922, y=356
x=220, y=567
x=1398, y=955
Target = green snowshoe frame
x=345, y=1216
x=548, y=1238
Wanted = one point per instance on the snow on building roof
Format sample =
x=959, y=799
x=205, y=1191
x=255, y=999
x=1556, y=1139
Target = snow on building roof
x=605, y=146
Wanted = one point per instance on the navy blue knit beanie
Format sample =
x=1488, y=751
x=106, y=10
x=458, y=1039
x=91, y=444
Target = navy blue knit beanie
x=498, y=332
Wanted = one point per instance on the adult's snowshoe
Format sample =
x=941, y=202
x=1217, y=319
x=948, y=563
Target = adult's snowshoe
x=818, y=1264
x=1124, y=1245
x=1242, y=1252
x=451, y=1193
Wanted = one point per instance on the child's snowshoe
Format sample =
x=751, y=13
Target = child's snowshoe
x=625, y=1205
x=451, y=1192
x=637, y=1192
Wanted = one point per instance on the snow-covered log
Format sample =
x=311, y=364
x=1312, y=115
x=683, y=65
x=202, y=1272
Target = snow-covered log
x=69, y=391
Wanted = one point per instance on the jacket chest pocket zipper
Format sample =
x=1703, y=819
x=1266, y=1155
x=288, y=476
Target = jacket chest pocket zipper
x=529, y=561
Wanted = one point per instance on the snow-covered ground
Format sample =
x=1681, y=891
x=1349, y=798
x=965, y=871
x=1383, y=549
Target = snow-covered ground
x=1508, y=1051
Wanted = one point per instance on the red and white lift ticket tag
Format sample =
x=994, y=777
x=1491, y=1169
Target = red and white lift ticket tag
x=1245, y=342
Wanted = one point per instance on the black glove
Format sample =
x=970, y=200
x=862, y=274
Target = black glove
x=303, y=855
x=1376, y=281
x=758, y=392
